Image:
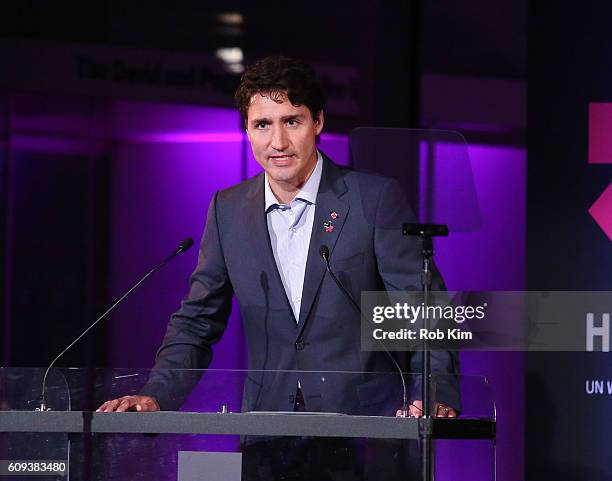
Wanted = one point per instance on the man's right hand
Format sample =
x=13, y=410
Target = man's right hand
x=126, y=403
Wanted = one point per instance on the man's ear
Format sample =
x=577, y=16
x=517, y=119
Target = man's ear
x=319, y=123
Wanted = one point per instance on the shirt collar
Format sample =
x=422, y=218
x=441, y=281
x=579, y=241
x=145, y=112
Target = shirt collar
x=308, y=192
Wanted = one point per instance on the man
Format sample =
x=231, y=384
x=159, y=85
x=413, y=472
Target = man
x=262, y=242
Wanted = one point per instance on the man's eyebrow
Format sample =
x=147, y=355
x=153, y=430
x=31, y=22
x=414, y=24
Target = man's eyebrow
x=294, y=116
x=264, y=120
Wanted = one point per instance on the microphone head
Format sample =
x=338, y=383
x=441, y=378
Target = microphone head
x=324, y=252
x=184, y=245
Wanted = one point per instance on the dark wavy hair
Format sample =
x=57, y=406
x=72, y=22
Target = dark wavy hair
x=278, y=76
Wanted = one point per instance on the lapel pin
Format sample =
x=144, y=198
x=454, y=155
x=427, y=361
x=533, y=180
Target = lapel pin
x=334, y=215
x=329, y=228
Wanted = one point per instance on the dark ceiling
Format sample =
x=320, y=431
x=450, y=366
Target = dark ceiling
x=470, y=37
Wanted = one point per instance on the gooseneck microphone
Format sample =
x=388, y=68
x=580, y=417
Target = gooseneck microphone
x=324, y=253
x=184, y=245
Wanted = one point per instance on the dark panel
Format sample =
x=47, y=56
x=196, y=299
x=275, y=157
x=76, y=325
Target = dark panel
x=50, y=257
x=4, y=326
x=568, y=68
x=478, y=38
x=567, y=429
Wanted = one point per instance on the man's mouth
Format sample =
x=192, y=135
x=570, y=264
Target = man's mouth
x=281, y=159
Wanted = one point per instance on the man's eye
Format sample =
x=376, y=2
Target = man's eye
x=261, y=125
x=292, y=122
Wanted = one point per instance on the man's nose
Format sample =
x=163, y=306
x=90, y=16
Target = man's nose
x=280, y=139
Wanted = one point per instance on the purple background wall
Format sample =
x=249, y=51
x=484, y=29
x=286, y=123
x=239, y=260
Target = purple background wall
x=491, y=258
x=161, y=188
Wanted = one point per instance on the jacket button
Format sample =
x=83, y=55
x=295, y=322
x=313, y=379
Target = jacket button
x=299, y=345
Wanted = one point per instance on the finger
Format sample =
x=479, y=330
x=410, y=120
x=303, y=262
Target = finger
x=144, y=405
x=414, y=411
x=442, y=411
x=147, y=404
x=154, y=404
x=452, y=413
x=110, y=406
x=416, y=408
x=125, y=404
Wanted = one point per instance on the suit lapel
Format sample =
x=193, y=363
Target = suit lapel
x=329, y=201
x=258, y=235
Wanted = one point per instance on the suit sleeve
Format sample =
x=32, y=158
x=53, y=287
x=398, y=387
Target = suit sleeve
x=196, y=326
x=400, y=262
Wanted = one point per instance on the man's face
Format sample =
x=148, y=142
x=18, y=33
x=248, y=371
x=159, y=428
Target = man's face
x=282, y=137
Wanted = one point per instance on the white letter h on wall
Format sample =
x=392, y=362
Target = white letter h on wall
x=603, y=331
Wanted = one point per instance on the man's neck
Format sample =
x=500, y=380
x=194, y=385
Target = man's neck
x=285, y=192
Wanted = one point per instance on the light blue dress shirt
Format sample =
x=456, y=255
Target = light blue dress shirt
x=290, y=227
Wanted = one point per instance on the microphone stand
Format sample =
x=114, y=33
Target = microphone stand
x=426, y=232
x=426, y=354
x=182, y=247
x=324, y=253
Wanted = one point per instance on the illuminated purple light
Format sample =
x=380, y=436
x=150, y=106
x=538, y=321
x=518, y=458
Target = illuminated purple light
x=207, y=137
x=189, y=137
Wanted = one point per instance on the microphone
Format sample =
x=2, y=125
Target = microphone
x=324, y=253
x=183, y=246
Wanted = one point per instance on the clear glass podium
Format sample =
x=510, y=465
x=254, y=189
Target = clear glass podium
x=223, y=429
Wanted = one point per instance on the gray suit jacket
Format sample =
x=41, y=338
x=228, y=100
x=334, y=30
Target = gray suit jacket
x=368, y=253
